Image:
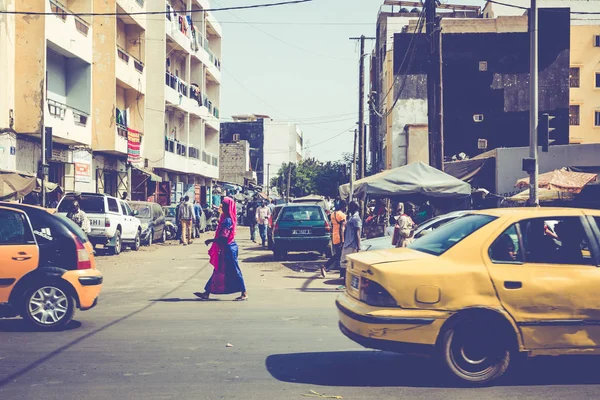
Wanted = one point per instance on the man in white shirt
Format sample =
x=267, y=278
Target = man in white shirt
x=262, y=219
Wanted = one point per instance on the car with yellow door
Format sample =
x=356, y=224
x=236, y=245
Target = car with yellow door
x=482, y=291
x=47, y=267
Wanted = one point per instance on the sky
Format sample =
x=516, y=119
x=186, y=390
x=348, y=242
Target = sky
x=297, y=63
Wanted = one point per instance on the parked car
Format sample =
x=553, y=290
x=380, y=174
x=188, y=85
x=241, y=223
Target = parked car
x=152, y=221
x=46, y=267
x=113, y=222
x=301, y=227
x=481, y=290
x=426, y=227
x=272, y=219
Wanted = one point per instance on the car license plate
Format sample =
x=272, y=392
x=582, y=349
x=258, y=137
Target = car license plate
x=301, y=232
x=355, y=282
x=95, y=222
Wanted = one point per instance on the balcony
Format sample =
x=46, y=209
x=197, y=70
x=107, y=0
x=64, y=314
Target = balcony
x=189, y=159
x=68, y=32
x=130, y=7
x=176, y=92
x=178, y=33
x=69, y=125
x=130, y=71
x=215, y=26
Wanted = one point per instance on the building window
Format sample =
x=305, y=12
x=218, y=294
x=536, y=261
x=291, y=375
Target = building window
x=236, y=137
x=483, y=66
x=597, y=118
x=597, y=41
x=574, y=115
x=598, y=80
x=478, y=117
x=574, y=77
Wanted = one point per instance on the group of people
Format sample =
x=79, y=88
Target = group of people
x=258, y=215
x=188, y=217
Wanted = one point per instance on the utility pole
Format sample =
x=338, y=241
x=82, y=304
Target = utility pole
x=533, y=104
x=434, y=86
x=353, y=167
x=268, y=178
x=361, y=106
x=44, y=166
x=289, y=180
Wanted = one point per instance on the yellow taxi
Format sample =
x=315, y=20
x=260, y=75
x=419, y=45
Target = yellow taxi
x=47, y=267
x=482, y=290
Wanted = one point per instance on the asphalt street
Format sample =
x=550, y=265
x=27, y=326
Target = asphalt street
x=150, y=338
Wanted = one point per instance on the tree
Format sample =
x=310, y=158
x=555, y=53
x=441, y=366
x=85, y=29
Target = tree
x=311, y=176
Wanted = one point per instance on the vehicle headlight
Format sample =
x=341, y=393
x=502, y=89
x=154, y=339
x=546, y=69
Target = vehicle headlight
x=144, y=226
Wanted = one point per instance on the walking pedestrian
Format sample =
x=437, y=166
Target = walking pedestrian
x=251, y=216
x=186, y=215
x=338, y=222
x=178, y=220
x=351, y=236
x=78, y=216
x=197, y=216
x=262, y=219
x=227, y=277
x=405, y=227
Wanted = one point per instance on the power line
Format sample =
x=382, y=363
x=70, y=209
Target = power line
x=316, y=144
x=116, y=14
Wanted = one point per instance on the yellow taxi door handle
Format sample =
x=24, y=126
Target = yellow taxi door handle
x=22, y=257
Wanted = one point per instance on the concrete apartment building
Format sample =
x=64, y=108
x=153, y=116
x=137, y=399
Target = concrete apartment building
x=584, y=82
x=234, y=163
x=101, y=85
x=272, y=143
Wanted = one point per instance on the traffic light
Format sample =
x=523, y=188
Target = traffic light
x=544, y=130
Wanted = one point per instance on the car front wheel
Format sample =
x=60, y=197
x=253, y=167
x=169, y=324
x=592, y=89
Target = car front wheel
x=48, y=306
x=150, y=238
x=475, y=353
x=137, y=243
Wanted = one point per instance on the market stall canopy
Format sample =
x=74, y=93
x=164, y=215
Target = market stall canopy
x=50, y=187
x=544, y=195
x=16, y=185
x=561, y=180
x=415, y=178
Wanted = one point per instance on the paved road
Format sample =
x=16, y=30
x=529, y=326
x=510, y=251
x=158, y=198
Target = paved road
x=149, y=338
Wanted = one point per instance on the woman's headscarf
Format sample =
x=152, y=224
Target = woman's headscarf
x=223, y=230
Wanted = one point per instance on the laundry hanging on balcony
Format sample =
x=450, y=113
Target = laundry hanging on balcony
x=134, y=141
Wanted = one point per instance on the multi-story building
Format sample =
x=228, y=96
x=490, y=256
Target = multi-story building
x=46, y=65
x=272, y=143
x=183, y=71
x=584, y=75
x=234, y=163
x=131, y=101
x=394, y=17
x=485, y=85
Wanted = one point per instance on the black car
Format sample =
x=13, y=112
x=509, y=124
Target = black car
x=152, y=221
x=54, y=235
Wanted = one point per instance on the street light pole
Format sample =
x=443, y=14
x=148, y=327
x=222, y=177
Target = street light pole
x=533, y=103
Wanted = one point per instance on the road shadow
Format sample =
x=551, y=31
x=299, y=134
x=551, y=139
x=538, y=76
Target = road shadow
x=19, y=325
x=379, y=369
x=180, y=300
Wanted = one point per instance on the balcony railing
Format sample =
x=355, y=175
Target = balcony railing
x=123, y=55
x=194, y=152
x=57, y=109
x=210, y=159
x=181, y=149
x=169, y=145
x=196, y=94
x=215, y=112
x=62, y=12
x=80, y=117
x=122, y=131
x=175, y=83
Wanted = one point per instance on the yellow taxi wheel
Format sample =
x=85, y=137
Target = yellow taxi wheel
x=48, y=306
x=474, y=353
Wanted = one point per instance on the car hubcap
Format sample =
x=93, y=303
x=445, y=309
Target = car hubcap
x=48, y=305
x=472, y=354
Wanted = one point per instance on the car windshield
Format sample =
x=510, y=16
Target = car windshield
x=301, y=213
x=144, y=210
x=89, y=204
x=442, y=239
x=169, y=211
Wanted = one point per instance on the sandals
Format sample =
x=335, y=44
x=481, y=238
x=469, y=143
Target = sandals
x=323, y=270
x=202, y=296
x=241, y=298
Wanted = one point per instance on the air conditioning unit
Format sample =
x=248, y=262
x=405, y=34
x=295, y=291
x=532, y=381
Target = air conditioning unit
x=478, y=117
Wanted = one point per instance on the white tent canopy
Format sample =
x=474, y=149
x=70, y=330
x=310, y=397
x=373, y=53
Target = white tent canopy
x=415, y=178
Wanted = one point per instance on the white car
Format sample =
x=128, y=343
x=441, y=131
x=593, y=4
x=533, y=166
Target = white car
x=113, y=222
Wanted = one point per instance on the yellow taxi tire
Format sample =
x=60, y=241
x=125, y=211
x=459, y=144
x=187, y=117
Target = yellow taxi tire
x=67, y=318
x=450, y=340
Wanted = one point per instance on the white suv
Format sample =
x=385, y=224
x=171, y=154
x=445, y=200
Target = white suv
x=112, y=221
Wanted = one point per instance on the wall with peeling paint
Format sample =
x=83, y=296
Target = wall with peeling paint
x=30, y=67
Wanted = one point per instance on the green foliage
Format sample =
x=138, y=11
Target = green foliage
x=311, y=176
